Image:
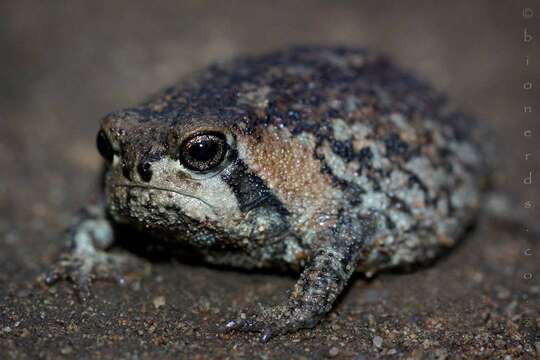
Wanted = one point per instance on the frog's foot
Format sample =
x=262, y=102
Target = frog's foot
x=319, y=285
x=86, y=257
x=83, y=268
x=274, y=321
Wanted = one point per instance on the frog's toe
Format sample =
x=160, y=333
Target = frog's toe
x=273, y=321
x=81, y=269
x=267, y=330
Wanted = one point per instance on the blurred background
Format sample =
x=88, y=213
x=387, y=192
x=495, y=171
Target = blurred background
x=65, y=64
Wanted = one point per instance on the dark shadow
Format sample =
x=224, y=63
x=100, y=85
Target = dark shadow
x=159, y=251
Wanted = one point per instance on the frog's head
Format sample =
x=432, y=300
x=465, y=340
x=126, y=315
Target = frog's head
x=185, y=177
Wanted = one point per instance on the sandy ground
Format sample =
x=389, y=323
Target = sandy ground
x=65, y=64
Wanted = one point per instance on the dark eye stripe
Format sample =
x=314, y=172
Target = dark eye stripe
x=249, y=189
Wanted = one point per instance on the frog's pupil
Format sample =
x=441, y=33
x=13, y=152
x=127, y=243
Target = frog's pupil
x=204, y=150
x=104, y=146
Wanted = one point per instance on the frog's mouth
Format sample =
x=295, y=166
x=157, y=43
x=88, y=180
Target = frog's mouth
x=158, y=188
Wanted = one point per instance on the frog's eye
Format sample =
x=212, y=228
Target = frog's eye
x=104, y=146
x=203, y=151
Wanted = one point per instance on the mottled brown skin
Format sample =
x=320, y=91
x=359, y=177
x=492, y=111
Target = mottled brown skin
x=323, y=160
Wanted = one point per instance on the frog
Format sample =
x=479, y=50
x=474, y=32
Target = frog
x=321, y=160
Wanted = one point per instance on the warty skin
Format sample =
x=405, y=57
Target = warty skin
x=322, y=160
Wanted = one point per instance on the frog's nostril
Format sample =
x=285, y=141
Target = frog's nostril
x=145, y=171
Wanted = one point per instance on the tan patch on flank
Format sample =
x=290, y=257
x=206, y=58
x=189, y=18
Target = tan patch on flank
x=287, y=165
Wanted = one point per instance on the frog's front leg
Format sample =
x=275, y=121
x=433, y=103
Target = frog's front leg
x=319, y=285
x=86, y=256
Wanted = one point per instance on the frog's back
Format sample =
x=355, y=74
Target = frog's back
x=390, y=143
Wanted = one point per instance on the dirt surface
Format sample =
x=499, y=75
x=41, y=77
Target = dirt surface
x=65, y=64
